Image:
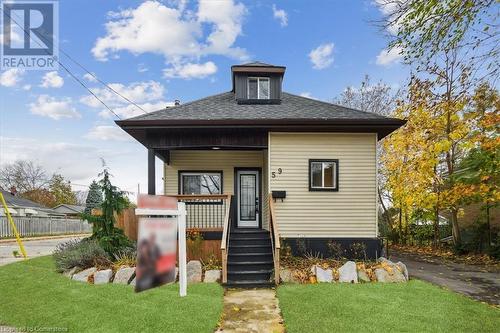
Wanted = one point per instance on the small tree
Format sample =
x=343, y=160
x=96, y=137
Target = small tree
x=61, y=189
x=109, y=237
x=94, y=198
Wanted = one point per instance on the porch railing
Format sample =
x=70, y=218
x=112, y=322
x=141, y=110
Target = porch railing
x=205, y=211
x=275, y=240
x=225, y=238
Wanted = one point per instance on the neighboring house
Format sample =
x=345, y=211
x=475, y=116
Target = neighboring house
x=304, y=168
x=69, y=210
x=21, y=207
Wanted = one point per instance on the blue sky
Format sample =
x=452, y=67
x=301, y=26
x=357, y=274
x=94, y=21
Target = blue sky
x=156, y=52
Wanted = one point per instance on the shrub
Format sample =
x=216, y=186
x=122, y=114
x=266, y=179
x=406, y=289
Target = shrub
x=125, y=257
x=335, y=249
x=83, y=254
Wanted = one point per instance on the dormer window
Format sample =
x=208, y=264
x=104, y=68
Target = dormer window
x=258, y=88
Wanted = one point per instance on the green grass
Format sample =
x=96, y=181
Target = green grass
x=411, y=307
x=32, y=294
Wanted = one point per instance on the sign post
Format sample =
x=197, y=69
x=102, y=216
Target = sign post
x=162, y=225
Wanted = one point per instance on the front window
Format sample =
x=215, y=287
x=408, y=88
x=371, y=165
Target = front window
x=258, y=88
x=200, y=183
x=323, y=175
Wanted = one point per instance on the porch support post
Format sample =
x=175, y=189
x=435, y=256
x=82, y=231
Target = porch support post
x=151, y=172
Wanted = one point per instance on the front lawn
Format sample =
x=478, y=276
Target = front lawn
x=32, y=294
x=415, y=306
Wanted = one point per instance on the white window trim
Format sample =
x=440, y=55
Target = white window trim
x=258, y=78
x=334, y=176
x=189, y=173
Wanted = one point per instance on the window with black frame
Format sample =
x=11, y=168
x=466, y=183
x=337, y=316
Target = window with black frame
x=199, y=182
x=323, y=175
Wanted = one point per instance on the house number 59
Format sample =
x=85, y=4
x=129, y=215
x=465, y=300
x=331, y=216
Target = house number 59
x=273, y=174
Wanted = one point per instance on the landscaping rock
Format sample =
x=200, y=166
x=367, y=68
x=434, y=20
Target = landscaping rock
x=212, y=275
x=194, y=271
x=324, y=275
x=403, y=269
x=348, y=272
x=363, y=276
x=70, y=272
x=389, y=277
x=286, y=275
x=84, y=275
x=102, y=277
x=123, y=275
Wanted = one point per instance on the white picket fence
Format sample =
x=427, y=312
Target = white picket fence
x=33, y=226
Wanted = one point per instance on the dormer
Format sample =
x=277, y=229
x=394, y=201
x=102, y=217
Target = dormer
x=257, y=83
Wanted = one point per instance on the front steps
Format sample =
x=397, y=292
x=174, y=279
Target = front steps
x=250, y=258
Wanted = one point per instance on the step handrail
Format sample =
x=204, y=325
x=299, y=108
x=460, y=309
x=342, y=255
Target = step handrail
x=275, y=239
x=225, y=237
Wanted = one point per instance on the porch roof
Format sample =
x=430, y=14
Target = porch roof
x=220, y=121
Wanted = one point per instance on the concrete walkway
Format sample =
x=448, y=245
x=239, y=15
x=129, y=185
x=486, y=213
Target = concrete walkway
x=34, y=248
x=251, y=311
x=470, y=280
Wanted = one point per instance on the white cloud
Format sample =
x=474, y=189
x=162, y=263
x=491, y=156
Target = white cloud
x=321, y=57
x=280, y=15
x=90, y=77
x=128, y=111
x=51, y=107
x=179, y=34
x=27, y=87
x=306, y=94
x=191, y=70
x=388, y=57
x=52, y=80
x=108, y=133
x=11, y=77
x=138, y=92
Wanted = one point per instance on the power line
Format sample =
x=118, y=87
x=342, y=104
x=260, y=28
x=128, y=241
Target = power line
x=86, y=70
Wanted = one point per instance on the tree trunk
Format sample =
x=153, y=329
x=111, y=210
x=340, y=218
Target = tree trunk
x=457, y=239
x=386, y=213
x=400, y=233
x=488, y=222
x=436, y=227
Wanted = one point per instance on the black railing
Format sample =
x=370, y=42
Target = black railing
x=205, y=211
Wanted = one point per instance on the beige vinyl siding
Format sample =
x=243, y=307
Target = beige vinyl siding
x=213, y=160
x=350, y=212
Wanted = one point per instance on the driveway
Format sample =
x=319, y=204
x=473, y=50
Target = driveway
x=34, y=248
x=470, y=280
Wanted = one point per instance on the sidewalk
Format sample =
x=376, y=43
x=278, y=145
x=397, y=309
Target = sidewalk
x=251, y=311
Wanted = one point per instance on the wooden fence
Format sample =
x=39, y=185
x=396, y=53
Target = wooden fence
x=36, y=226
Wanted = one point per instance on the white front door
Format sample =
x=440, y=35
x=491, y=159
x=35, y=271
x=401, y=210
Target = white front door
x=247, y=186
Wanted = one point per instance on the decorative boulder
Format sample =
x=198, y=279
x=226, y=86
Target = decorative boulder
x=324, y=275
x=388, y=277
x=194, y=271
x=83, y=276
x=212, y=275
x=102, y=277
x=348, y=272
x=402, y=268
x=363, y=276
x=123, y=275
x=70, y=272
x=286, y=275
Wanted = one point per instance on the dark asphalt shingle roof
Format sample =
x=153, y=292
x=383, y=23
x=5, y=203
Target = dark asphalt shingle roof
x=224, y=107
x=17, y=201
